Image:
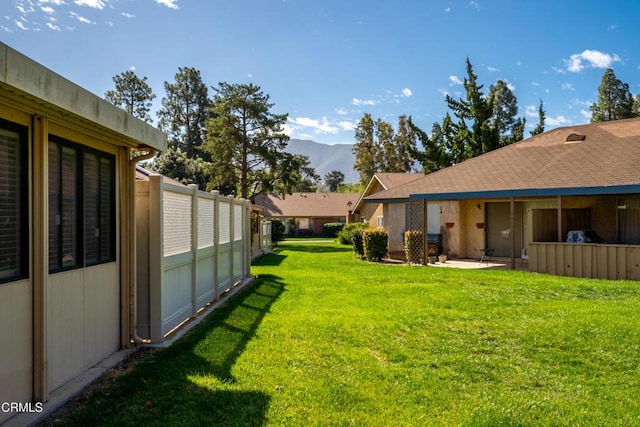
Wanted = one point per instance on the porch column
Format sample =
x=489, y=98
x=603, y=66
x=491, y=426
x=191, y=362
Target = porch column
x=512, y=225
x=560, y=237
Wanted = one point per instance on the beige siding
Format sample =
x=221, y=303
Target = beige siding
x=82, y=320
x=16, y=343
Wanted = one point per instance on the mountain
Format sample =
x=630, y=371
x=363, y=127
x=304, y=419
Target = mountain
x=326, y=158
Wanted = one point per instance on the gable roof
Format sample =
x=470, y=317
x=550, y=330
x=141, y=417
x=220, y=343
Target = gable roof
x=387, y=180
x=598, y=158
x=306, y=205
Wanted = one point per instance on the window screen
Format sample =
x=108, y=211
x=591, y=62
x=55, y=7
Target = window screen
x=13, y=210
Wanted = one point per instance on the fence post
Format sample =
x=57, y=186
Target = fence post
x=216, y=237
x=156, y=255
x=194, y=249
x=232, y=238
x=248, y=247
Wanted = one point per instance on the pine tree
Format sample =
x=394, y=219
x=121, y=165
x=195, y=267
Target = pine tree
x=541, y=118
x=614, y=100
x=185, y=109
x=132, y=94
x=367, y=155
x=333, y=180
x=247, y=143
x=505, y=110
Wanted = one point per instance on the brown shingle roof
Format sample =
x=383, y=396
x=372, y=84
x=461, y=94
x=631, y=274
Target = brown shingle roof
x=306, y=205
x=609, y=155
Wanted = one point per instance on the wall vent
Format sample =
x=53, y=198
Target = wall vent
x=575, y=137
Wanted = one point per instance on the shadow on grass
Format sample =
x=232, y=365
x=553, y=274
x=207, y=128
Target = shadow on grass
x=310, y=247
x=273, y=259
x=191, y=382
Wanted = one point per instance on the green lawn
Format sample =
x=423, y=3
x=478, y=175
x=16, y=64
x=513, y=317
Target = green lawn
x=323, y=339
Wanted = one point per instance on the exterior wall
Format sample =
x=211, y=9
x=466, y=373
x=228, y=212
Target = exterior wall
x=57, y=325
x=394, y=223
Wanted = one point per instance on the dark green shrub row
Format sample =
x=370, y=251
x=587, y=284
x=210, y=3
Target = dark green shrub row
x=345, y=236
x=357, y=242
x=375, y=241
x=277, y=231
x=331, y=229
x=413, y=243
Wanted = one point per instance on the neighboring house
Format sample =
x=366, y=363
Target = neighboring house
x=307, y=213
x=525, y=197
x=386, y=215
x=67, y=270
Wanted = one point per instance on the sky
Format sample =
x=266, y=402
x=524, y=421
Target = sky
x=327, y=62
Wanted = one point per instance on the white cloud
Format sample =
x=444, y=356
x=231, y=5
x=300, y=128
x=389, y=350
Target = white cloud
x=406, y=92
x=444, y=92
x=128, y=15
x=171, y=4
x=48, y=9
x=447, y=10
x=347, y=125
x=531, y=111
x=341, y=111
x=567, y=86
x=81, y=18
x=557, y=121
x=455, y=80
x=492, y=69
x=318, y=126
x=20, y=25
x=53, y=26
x=475, y=5
x=586, y=114
x=356, y=101
x=590, y=59
x=96, y=4
x=55, y=2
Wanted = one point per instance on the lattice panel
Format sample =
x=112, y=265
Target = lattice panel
x=177, y=223
x=205, y=223
x=414, y=250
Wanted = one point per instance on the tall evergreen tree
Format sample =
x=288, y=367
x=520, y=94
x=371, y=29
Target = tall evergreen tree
x=247, y=143
x=333, y=180
x=365, y=149
x=405, y=141
x=132, y=94
x=185, y=109
x=505, y=110
x=541, y=118
x=614, y=99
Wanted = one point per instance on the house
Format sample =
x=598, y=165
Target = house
x=524, y=199
x=307, y=213
x=375, y=213
x=67, y=270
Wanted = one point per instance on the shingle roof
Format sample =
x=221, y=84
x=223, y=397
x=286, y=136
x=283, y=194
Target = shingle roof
x=306, y=205
x=608, y=155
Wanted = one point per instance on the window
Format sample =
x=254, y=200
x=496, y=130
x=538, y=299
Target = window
x=14, y=227
x=81, y=206
x=380, y=221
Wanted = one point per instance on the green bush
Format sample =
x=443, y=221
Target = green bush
x=375, y=241
x=345, y=236
x=357, y=243
x=413, y=246
x=331, y=229
x=277, y=231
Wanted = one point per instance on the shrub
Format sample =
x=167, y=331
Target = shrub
x=413, y=246
x=357, y=243
x=345, y=236
x=277, y=231
x=375, y=241
x=331, y=229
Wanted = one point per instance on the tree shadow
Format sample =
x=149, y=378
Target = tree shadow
x=273, y=259
x=191, y=382
x=309, y=247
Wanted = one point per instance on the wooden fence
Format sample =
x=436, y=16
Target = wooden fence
x=192, y=246
x=589, y=260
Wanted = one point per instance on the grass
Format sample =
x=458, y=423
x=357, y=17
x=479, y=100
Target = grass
x=323, y=339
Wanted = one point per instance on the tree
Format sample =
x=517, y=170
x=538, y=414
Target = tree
x=614, y=100
x=505, y=110
x=333, y=180
x=302, y=178
x=484, y=134
x=246, y=142
x=177, y=165
x=379, y=148
x=541, y=117
x=185, y=109
x=132, y=94
x=365, y=149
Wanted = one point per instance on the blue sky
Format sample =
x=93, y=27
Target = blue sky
x=327, y=62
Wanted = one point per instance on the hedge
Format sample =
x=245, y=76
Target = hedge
x=331, y=229
x=375, y=243
x=345, y=236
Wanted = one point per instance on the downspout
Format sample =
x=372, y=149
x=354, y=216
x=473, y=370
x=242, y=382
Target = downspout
x=133, y=286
